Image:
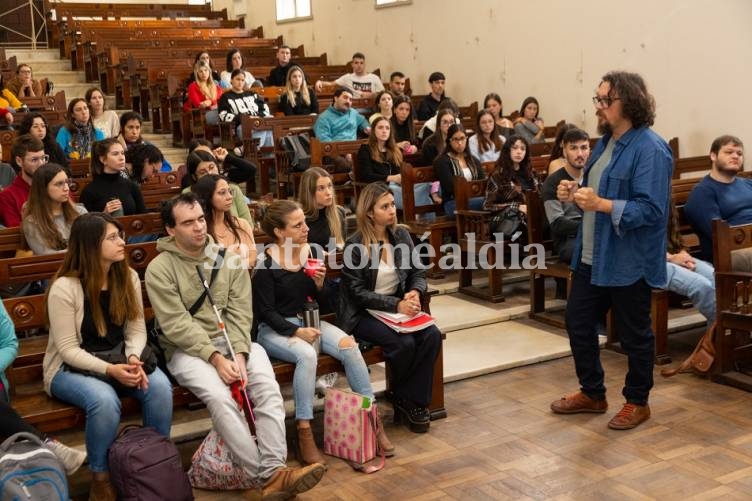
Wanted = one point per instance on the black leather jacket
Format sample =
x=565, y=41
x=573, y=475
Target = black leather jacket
x=356, y=290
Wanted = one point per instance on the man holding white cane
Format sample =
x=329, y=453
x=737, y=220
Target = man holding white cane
x=195, y=348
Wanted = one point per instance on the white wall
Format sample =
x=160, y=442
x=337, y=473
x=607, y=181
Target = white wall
x=694, y=54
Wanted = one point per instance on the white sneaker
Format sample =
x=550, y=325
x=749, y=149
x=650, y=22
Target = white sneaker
x=238, y=150
x=326, y=381
x=71, y=458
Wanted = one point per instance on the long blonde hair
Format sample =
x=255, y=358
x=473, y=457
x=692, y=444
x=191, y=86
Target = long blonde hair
x=208, y=88
x=307, y=193
x=367, y=201
x=305, y=95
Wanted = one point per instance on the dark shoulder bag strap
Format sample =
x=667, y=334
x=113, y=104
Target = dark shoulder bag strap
x=200, y=301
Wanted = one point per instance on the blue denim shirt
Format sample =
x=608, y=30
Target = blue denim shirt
x=630, y=243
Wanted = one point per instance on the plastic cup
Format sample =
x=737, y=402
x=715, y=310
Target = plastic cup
x=312, y=265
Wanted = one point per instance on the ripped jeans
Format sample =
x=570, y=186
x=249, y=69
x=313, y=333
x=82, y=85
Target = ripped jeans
x=295, y=350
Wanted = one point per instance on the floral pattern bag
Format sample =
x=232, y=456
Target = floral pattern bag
x=351, y=423
x=214, y=467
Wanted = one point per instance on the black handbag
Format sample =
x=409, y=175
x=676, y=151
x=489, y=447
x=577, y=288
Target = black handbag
x=508, y=222
x=116, y=355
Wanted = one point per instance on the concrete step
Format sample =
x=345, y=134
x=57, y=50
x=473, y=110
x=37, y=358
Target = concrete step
x=41, y=68
x=27, y=55
x=61, y=77
x=74, y=90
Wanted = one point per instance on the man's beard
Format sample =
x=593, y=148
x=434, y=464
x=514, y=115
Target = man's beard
x=721, y=168
x=604, y=128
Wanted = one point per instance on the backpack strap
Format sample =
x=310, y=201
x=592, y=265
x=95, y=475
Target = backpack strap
x=200, y=301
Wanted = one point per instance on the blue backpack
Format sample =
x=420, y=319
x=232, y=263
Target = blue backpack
x=28, y=470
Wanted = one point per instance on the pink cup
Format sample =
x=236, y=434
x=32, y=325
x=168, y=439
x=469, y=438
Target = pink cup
x=312, y=265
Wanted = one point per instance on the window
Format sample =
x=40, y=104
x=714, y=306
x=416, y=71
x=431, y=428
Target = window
x=391, y=3
x=293, y=10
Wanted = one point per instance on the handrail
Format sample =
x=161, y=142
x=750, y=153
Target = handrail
x=37, y=34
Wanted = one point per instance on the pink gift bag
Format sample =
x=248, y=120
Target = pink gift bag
x=351, y=424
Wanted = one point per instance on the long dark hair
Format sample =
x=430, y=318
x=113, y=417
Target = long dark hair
x=527, y=101
x=28, y=121
x=487, y=143
x=38, y=208
x=409, y=121
x=83, y=261
x=204, y=190
x=504, y=172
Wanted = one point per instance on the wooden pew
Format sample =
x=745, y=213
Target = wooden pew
x=341, y=180
x=280, y=127
x=427, y=219
x=733, y=350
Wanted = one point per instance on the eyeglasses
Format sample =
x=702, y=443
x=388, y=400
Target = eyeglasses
x=60, y=184
x=459, y=139
x=25, y=71
x=604, y=102
x=114, y=237
x=40, y=160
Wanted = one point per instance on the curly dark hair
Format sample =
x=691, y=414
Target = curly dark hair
x=638, y=104
x=504, y=171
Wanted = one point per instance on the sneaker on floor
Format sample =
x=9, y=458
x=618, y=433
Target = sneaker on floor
x=71, y=458
x=238, y=150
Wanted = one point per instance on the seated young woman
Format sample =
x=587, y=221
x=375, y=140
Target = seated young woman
x=434, y=144
x=403, y=126
x=455, y=161
x=381, y=160
x=203, y=93
x=384, y=104
x=529, y=125
x=130, y=135
x=395, y=286
x=78, y=134
x=35, y=123
x=325, y=219
x=234, y=61
x=105, y=120
x=298, y=98
x=49, y=212
x=239, y=101
x=485, y=145
x=111, y=191
x=230, y=232
x=235, y=168
x=281, y=286
x=10, y=421
x=143, y=162
x=201, y=162
x=94, y=305
x=492, y=102
x=512, y=175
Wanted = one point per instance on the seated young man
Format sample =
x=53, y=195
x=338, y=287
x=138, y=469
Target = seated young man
x=197, y=354
x=430, y=104
x=359, y=83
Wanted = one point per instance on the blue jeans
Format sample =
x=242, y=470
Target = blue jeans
x=102, y=405
x=475, y=203
x=697, y=285
x=421, y=191
x=295, y=350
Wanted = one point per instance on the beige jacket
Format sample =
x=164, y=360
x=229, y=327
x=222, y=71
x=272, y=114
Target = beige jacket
x=65, y=306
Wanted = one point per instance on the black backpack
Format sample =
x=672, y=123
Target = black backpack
x=28, y=470
x=298, y=150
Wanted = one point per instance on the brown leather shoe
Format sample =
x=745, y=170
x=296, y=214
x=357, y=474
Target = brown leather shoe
x=308, y=451
x=577, y=402
x=287, y=483
x=630, y=416
x=102, y=490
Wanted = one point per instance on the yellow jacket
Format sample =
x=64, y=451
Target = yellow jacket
x=7, y=98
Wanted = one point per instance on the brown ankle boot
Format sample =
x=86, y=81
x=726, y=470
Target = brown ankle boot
x=102, y=490
x=309, y=452
x=382, y=440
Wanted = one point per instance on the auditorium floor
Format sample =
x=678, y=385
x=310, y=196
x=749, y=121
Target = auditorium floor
x=500, y=441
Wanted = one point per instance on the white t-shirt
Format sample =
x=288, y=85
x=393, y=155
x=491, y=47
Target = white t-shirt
x=387, y=280
x=366, y=83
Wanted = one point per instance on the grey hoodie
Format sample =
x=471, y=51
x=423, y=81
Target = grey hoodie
x=173, y=286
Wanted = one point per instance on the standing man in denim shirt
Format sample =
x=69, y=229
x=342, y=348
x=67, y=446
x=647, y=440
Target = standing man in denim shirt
x=620, y=252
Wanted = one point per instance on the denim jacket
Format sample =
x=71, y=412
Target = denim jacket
x=630, y=243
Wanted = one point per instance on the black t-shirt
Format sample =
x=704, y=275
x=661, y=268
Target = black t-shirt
x=90, y=338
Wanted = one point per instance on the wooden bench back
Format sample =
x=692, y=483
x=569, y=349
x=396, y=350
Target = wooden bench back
x=412, y=175
x=693, y=166
x=73, y=10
